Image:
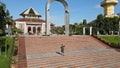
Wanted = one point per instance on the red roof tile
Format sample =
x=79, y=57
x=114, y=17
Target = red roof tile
x=30, y=20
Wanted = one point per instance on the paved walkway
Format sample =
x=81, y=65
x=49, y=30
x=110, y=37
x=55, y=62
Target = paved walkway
x=67, y=53
x=80, y=52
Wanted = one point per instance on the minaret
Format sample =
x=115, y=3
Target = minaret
x=108, y=6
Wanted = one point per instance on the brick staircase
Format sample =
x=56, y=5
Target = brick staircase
x=80, y=52
x=22, y=62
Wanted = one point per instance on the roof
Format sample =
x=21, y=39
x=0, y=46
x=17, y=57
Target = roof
x=30, y=11
x=30, y=20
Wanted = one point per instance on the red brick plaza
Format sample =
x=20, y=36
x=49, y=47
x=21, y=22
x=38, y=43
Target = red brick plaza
x=80, y=52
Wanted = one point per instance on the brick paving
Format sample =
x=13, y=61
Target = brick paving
x=80, y=52
x=22, y=61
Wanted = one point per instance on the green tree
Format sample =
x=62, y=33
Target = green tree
x=5, y=18
x=105, y=25
x=59, y=30
x=84, y=21
x=2, y=18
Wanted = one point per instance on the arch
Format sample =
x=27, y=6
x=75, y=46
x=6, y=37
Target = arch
x=29, y=29
x=39, y=29
x=66, y=16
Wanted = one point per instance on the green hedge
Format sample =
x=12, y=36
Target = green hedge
x=5, y=61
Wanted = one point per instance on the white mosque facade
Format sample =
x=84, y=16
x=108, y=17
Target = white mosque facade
x=30, y=23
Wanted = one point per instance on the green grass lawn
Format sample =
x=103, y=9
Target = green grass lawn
x=110, y=39
x=5, y=61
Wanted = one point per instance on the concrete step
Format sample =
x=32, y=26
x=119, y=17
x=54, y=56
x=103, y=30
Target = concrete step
x=80, y=52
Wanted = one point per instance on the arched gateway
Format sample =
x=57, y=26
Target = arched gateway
x=66, y=16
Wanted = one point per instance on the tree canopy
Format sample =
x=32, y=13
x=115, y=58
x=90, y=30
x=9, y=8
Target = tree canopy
x=106, y=24
x=75, y=29
x=5, y=18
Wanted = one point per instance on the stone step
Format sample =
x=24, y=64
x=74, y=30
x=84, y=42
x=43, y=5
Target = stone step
x=80, y=52
x=74, y=61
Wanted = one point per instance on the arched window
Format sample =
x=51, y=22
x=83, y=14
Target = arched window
x=38, y=29
x=29, y=29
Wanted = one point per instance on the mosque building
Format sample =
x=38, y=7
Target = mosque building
x=30, y=23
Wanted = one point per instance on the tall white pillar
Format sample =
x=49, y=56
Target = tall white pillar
x=32, y=29
x=25, y=29
x=67, y=23
x=98, y=33
x=112, y=32
x=91, y=30
x=36, y=29
x=47, y=23
x=83, y=30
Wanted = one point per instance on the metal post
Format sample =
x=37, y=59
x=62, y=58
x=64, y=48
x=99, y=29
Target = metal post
x=119, y=34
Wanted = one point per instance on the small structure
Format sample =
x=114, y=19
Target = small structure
x=91, y=30
x=31, y=22
x=109, y=7
x=87, y=27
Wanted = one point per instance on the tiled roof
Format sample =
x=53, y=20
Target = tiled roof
x=30, y=20
x=30, y=11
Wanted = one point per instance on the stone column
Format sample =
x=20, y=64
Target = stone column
x=112, y=32
x=67, y=23
x=47, y=23
x=98, y=33
x=36, y=30
x=43, y=28
x=25, y=29
x=31, y=29
x=118, y=32
x=83, y=30
x=91, y=30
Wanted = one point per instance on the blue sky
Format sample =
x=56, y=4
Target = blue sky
x=79, y=9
